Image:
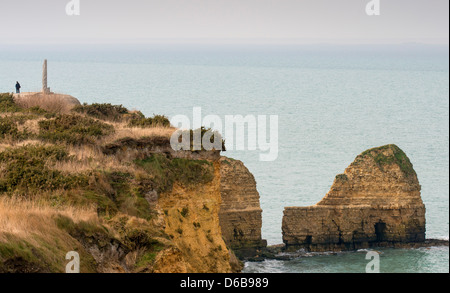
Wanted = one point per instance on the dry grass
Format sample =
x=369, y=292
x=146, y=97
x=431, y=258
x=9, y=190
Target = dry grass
x=85, y=158
x=32, y=232
x=122, y=131
x=30, y=126
x=54, y=103
x=23, y=218
x=6, y=145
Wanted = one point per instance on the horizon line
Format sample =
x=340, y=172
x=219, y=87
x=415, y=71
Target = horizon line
x=230, y=41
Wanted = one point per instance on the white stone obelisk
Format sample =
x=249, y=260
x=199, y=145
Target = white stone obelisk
x=45, y=89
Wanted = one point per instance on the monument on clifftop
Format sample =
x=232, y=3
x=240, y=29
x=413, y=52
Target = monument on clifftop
x=46, y=99
x=45, y=88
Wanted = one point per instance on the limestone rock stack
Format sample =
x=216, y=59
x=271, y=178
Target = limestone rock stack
x=240, y=211
x=375, y=202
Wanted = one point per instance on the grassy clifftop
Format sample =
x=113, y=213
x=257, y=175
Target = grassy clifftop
x=388, y=155
x=59, y=190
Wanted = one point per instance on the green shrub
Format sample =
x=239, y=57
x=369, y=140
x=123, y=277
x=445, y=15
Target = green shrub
x=203, y=131
x=398, y=157
x=342, y=177
x=128, y=197
x=165, y=172
x=105, y=205
x=112, y=192
x=41, y=112
x=103, y=111
x=7, y=104
x=73, y=129
x=155, y=121
x=34, y=152
x=74, y=229
x=8, y=129
x=20, y=118
x=184, y=212
x=146, y=260
x=27, y=169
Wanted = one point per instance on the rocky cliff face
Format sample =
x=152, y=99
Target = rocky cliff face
x=376, y=202
x=208, y=223
x=191, y=218
x=240, y=211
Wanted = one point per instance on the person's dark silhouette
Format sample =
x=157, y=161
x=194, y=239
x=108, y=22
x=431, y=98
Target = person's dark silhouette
x=18, y=87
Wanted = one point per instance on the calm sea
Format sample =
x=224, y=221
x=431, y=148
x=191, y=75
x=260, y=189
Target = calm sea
x=332, y=102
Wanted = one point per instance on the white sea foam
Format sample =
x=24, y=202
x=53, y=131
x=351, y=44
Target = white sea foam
x=442, y=237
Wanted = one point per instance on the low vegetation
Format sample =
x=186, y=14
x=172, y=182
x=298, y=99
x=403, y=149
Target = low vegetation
x=156, y=121
x=202, y=133
x=73, y=129
x=104, y=111
x=388, y=155
x=9, y=130
x=118, y=113
x=7, y=104
x=342, y=177
x=165, y=172
x=29, y=232
x=27, y=169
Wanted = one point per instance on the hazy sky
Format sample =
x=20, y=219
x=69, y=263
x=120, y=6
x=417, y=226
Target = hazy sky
x=296, y=21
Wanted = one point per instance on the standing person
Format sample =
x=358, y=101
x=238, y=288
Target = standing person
x=18, y=87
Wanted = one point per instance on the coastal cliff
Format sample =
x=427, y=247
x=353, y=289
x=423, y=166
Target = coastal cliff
x=375, y=202
x=103, y=181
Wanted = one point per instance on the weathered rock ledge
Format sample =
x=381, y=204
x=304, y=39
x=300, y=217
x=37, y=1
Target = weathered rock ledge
x=376, y=202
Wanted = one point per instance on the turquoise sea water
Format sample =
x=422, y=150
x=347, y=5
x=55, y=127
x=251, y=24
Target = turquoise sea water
x=332, y=102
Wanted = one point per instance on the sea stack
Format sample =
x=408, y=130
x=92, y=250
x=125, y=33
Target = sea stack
x=375, y=202
x=240, y=211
